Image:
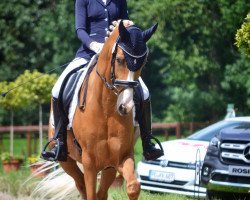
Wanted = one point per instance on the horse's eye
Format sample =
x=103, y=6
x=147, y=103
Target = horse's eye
x=120, y=61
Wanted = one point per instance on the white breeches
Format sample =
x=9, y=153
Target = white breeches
x=144, y=88
x=77, y=62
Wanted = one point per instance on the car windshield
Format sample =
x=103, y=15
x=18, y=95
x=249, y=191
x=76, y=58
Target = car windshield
x=209, y=132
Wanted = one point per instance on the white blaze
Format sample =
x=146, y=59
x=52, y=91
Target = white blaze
x=126, y=96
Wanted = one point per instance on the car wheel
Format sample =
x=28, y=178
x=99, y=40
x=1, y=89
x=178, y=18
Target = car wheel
x=214, y=195
x=209, y=195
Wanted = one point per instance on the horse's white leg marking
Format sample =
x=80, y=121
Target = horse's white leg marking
x=126, y=97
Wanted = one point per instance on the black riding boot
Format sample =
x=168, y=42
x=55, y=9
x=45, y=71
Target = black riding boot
x=150, y=152
x=59, y=151
x=143, y=116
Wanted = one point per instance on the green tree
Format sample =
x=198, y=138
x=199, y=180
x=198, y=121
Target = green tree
x=39, y=88
x=243, y=37
x=12, y=102
x=236, y=77
x=191, y=58
x=194, y=44
x=35, y=35
x=29, y=88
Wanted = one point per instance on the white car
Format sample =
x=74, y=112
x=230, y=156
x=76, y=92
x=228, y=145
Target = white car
x=178, y=171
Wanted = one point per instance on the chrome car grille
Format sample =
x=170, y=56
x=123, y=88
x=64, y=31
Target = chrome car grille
x=230, y=179
x=164, y=163
x=235, y=152
x=146, y=178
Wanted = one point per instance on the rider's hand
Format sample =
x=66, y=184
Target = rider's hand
x=111, y=28
x=127, y=23
x=115, y=23
x=96, y=47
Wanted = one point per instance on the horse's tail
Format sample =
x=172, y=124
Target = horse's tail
x=56, y=185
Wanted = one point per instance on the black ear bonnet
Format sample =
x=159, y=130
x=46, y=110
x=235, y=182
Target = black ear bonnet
x=134, y=47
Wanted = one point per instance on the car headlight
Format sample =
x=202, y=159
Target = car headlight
x=206, y=171
x=215, y=142
x=213, y=148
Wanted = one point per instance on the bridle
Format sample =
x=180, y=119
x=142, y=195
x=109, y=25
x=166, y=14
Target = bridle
x=115, y=83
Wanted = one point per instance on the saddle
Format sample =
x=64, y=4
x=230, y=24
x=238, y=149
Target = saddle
x=71, y=86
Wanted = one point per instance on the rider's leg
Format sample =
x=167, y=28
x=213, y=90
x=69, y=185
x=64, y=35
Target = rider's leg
x=73, y=65
x=143, y=114
x=59, y=151
x=60, y=120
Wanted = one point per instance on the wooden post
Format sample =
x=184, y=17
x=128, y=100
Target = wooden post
x=28, y=137
x=178, y=130
x=11, y=132
x=35, y=144
x=40, y=127
x=166, y=134
x=1, y=143
x=191, y=127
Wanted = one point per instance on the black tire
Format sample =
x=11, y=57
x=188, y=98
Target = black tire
x=209, y=195
x=213, y=195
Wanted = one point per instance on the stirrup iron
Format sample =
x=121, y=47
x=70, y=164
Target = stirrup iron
x=45, y=153
x=157, y=141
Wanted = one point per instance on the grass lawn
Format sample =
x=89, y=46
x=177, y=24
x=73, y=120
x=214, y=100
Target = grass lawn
x=120, y=194
x=20, y=146
x=13, y=183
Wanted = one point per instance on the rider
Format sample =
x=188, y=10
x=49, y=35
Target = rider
x=92, y=20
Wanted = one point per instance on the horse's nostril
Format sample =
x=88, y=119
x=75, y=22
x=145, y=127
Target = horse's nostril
x=122, y=109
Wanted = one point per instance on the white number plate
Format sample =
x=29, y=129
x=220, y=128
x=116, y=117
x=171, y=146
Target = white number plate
x=239, y=171
x=161, y=176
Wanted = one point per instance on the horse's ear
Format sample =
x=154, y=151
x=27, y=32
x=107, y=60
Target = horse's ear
x=124, y=34
x=149, y=32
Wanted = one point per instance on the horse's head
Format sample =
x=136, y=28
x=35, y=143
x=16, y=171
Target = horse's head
x=129, y=55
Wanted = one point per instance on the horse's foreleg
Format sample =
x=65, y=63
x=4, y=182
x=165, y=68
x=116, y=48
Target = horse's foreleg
x=71, y=168
x=90, y=174
x=128, y=171
x=107, y=178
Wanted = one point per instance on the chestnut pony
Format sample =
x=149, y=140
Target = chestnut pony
x=104, y=129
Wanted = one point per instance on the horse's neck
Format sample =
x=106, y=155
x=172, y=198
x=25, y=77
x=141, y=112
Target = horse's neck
x=97, y=89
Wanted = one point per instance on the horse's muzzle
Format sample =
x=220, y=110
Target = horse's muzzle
x=125, y=108
x=122, y=109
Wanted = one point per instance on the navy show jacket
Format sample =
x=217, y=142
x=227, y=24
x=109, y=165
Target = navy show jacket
x=92, y=19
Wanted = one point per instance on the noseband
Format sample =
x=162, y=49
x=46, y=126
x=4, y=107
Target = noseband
x=119, y=83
